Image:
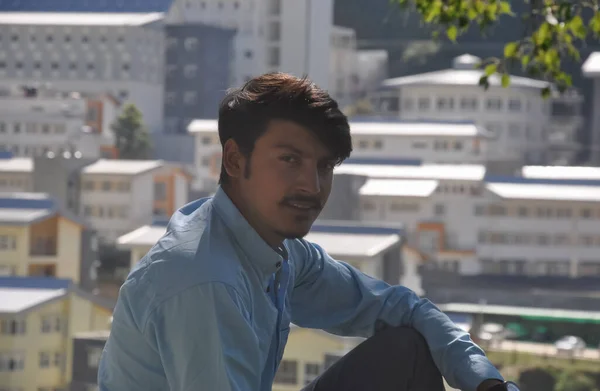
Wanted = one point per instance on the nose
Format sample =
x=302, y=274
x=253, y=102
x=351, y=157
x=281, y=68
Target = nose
x=309, y=181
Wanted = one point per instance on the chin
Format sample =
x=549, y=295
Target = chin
x=294, y=233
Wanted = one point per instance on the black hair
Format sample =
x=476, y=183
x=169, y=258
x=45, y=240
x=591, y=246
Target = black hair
x=245, y=113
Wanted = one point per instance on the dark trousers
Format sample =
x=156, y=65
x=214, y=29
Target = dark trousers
x=394, y=359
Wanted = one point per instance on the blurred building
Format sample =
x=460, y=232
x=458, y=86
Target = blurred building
x=38, y=319
x=117, y=53
x=537, y=131
x=591, y=70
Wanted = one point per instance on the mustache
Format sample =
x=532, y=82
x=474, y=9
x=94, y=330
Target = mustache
x=314, y=202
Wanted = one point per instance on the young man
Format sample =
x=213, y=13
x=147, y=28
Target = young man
x=210, y=306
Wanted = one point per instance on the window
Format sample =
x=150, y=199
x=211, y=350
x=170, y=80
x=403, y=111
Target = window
x=469, y=104
x=189, y=97
x=94, y=354
x=274, y=7
x=8, y=242
x=458, y=145
x=586, y=213
x=125, y=67
x=522, y=211
x=439, y=210
x=160, y=191
x=17, y=128
x=408, y=104
x=45, y=128
x=368, y=206
x=51, y=323
x=494, y=128
x=445, y=103
x=378, y=144
x=424, y=104
x=13, y=326
x=273, y=56
x=363, y=144
x=274, y=32
x=514, y=104
x=287, y=372
x=311, y=372
x=404, y=207
x=190, y=71
x=44, y=359
x=106, y=186
x=190, y=44
x=440, y=145
x=206, y=140
x=494, y=104
x=123, y=186
x=419, y=145
x=12, y=361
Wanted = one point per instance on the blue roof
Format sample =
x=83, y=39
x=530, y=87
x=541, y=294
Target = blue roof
x=112, y=6
x=26, y=203
x=540, y=181
x=334, y=227
x=34, y=282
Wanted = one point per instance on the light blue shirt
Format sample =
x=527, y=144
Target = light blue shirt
x=209, y=308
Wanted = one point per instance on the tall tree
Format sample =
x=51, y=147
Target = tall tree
x=131, y=136
x=554, y=31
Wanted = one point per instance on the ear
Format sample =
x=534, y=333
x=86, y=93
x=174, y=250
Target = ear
x=233, y=160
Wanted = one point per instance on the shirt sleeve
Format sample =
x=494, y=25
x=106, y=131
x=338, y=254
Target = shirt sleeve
x=350, y=303
x=199, y=339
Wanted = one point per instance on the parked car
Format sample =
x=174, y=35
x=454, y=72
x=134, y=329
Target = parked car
x=570, y=345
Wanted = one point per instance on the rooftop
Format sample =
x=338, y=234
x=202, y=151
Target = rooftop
x=23, y=208
x=86, y=6
x=16, y=164
x=399, y=187
x=16, y=300
x=591, y=66
x=337, y=240
x=98, y=335
x=122, y=167
x=340, y=245
x=561, y=172
x=458, y=172
x=463, y=74
x=79, y=19
x=382, y=128
x=417, y=128
x=549, y=192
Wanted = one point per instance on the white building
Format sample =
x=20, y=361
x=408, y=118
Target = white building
x=521, y=120
x=120, y=54
x=35, y=121
x=408, y=140
x=591, y=69
x=273, y=35
x=372, y=69
x=343, y=65
x=545, y=222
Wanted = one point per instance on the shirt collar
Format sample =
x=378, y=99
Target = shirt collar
x=265, y=258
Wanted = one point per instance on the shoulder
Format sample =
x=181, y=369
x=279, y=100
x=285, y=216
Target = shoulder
x=195, y=252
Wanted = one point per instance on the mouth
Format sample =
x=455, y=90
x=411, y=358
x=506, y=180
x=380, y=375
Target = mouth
x=302, y=206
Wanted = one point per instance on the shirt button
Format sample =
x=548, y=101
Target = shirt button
x=278, y=265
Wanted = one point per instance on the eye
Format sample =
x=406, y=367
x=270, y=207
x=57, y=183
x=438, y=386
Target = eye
x=290, y=159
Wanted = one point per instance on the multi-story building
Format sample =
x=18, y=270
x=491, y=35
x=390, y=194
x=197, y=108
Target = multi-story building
x=272, y=35
x=87, y=351
x=455, y=94
x=198, y=61
x=117, y=53
x=114, y=196
x=38, y=319
x=427, y=141
x=372, y=70
x=591, y=69
x=38, y=238
x=343, y=66
x=35, y=121
x=120, y=195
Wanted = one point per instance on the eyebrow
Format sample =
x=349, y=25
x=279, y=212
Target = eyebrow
x=295, y=150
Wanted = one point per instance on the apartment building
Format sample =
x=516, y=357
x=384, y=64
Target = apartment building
x=541, y=222
x=343, y=66
x=38, y=318
x=379, y=141
x=118, y=196
x=372, y=70
x=534, y=125
x=272, y=35
x=15, y=173
x=117, y=53
x=591, y=70
x=39, y=238
x=87, y=351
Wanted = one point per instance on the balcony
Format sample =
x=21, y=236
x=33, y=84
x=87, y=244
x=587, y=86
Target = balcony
x=43, y=246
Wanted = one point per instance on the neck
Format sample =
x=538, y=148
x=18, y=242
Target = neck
x=234, y=194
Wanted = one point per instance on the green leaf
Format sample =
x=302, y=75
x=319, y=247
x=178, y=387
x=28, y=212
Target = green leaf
x=542, y=34
x=505, y=7
x=490, y=69
x=510, y=49
x=546, y=92
x=452, y=33
x=595, y=24
x=577, y=27
x=525, y=60
x=484, y=82
x=505, y=80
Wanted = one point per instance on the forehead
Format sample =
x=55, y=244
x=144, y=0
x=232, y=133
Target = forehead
x=283, y=132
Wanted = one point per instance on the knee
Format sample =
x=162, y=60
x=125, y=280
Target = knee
x=401, y=339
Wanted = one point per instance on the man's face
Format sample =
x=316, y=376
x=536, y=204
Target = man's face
x=287, y=182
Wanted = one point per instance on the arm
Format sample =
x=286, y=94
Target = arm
x=353, y=302
x=199, y=339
